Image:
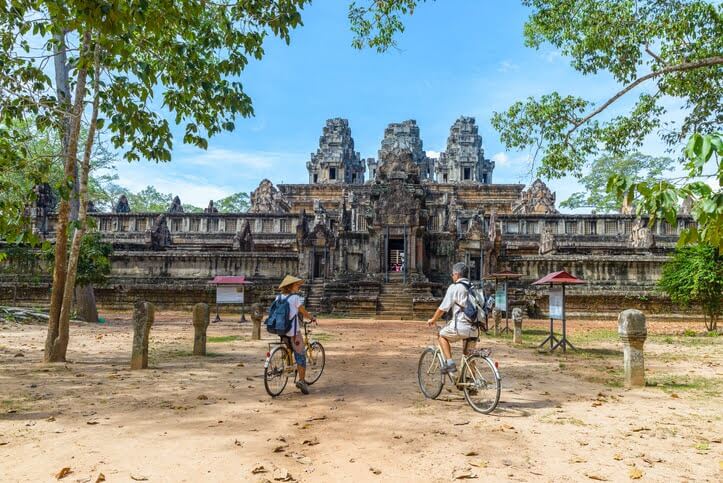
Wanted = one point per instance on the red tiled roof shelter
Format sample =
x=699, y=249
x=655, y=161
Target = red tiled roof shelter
x=229, y=280
x=559, y=278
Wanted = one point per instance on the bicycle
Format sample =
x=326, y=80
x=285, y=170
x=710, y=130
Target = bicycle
x=280, y=364
x=477, y=376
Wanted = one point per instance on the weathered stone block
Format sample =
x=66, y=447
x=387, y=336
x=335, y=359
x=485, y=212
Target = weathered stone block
x=633, y=332
x=497, y=316
x=143, y=316
x=257, y=315
x=517, y=321
x=201, y=319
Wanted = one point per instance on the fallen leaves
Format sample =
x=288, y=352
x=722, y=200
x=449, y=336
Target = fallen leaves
x=101, y=477
x=65, y=471
x=376, y=471
x=310, y=442
x=463, y=474
x=635, y=473
x=281, y=474
x=593, y=476
x=138, y=478
x=259, y=469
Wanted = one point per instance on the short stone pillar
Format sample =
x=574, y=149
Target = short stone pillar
x=143, y=315
x=517, y=321
x=633, y=332
x=497, y=316
x=201, y=319
x=257, y=315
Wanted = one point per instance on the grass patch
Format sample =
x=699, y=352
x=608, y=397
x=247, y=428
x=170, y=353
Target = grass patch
x=695, y=340
x=224, y=338
x=555, y=419
x=675, y=383
x=703, y=446
x=321, y=336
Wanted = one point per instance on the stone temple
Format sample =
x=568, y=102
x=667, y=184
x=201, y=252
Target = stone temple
x=377, y=237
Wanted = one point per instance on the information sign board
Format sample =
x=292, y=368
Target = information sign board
x=229, y=294
x=556, y=303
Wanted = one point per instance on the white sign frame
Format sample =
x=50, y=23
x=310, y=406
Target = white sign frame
x=229, y=294
x=557, y=303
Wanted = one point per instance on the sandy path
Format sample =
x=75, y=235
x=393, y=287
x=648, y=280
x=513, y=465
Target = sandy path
x=191, y=419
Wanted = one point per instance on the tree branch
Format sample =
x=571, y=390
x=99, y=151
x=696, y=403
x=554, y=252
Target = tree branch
x=707, y=62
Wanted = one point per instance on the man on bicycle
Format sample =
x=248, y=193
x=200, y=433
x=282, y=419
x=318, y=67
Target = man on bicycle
x=459, y=327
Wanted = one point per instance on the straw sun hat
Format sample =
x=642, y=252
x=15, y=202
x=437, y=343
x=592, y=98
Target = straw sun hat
x=289, y=280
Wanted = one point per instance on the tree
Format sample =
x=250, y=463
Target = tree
x=637, y=167
x=695, y=276
x=149, y=200
x=112, y=60
x=235, y=203
x=674, y=46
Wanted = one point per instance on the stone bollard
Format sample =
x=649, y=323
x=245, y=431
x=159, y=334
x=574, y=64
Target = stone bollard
x=201, y=319
x=633, y=332
x=143, y=314
x=497, y=315
x=517, y=321
x=257, y=315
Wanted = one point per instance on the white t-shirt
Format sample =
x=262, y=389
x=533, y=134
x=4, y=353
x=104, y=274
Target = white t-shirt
x=457, y=295
x=295, y=301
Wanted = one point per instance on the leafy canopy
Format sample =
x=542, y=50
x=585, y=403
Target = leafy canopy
x=637, y=167
x=695, y=276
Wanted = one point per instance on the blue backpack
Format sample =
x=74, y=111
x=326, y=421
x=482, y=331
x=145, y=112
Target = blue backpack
x=278, y=321
x=470, y=309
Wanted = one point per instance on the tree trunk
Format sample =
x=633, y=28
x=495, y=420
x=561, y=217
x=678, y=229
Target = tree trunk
x=85, y=305
x=64, y=270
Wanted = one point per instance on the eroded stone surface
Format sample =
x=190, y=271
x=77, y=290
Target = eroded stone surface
x=201, y=319
x=143, y=316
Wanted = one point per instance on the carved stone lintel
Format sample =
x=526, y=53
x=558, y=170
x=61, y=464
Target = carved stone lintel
x=547, y=241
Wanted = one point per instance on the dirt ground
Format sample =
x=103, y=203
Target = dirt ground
x=189, y=418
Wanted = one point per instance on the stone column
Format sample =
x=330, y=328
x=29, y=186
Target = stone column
x=143, y=315
x=633, y=332
x=497, y=316
x=257, y=315
x=201, y=319
x=517, y=321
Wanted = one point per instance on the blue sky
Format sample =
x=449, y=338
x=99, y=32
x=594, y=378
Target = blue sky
x=456, y=57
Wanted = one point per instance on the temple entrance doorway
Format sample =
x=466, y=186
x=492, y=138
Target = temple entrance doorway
x=395, y=258
x=319, y=264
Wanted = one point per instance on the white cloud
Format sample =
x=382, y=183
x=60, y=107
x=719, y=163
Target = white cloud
x=225, y=157
x=507, y=66
x=501, y=159
x=552, y=56
x=433, y=154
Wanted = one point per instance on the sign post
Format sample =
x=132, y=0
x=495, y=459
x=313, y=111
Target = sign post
x=501, y=300
x=557, y=282
x=229, y=290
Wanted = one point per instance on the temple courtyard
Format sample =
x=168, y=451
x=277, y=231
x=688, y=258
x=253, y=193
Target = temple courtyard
x=562, y=417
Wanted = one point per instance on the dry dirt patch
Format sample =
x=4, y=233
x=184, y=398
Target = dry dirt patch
x=562, y=417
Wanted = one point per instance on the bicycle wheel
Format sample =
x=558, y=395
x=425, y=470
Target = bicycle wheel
x=275, y=371
x=481, y=384
x=429, y=373
x=315, y=360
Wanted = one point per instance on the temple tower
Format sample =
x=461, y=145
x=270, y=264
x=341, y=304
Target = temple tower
x=405, y=135
x=464, y=161
x=336, y=162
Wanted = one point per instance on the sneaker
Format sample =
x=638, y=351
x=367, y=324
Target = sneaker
x=449, y=368
x=303, y=386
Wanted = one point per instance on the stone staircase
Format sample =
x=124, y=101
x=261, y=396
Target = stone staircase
x=395, y=302
x=314, y=301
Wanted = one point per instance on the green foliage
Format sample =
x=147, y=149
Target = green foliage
x=235, y=203
x=695, y=276
x=149, y=200
x=93, y=261
x=191, y=209
x=660, y=198
x=637, y=167
x=376, y=24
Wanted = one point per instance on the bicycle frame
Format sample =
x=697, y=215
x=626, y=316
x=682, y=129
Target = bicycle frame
x=291, y=363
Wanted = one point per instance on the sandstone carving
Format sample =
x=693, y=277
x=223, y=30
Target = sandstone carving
x=159, y=236
x=176, y=206
x=463, y=160
x=336, y=161
x=122, y=205
x=267, y=199
x=143, y=316
x=538, y=199
x=201, y=319
x=633, y=331
x=210, y=208
x=641, y=236
x=547, y=241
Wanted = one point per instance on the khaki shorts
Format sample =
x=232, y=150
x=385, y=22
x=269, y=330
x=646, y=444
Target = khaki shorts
x=453, y=335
